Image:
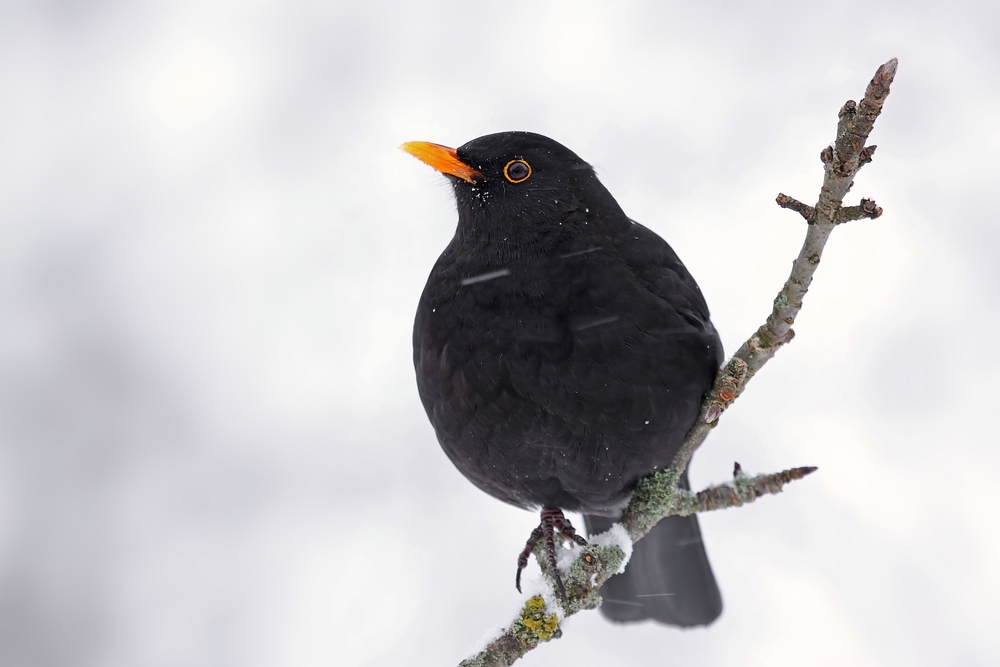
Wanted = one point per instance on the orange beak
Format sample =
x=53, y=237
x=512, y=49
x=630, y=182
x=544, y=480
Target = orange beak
x=442, y=158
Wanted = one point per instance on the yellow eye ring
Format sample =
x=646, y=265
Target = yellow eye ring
x=517, y=171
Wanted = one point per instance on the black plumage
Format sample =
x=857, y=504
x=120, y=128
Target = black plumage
x=562, y=352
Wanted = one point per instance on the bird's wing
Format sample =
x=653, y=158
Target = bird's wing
x=659, y=270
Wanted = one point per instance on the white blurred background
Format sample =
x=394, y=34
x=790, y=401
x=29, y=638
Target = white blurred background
x=211, y=446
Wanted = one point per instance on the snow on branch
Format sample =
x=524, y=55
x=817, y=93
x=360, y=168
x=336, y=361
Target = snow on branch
x=658, y=495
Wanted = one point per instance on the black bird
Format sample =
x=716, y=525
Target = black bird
x=562, y=352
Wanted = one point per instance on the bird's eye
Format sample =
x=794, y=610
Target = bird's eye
x=517, y=171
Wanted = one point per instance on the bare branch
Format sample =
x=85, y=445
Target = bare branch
x=841, y=163
x=657, y=495
x=807, y=211
x=729, y=382
x=745, y=489
x=539, y=621
x=867, y=209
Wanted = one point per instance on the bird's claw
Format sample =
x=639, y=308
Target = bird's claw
x=553, y=521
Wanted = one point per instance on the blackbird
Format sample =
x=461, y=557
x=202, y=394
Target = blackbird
x=562, y=352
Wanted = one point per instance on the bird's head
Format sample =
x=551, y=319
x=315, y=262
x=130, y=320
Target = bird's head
x=521, y=190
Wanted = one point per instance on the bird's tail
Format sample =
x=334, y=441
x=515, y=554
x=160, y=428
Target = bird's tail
x=668, y=578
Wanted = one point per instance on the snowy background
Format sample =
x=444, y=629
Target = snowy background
x=211, y=446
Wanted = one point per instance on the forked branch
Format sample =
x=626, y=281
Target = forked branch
x=657, y=496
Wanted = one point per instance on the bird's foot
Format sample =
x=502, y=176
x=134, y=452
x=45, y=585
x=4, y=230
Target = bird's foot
x=553, y=522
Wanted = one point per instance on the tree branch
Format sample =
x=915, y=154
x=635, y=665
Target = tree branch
x=841, y=163
x=807, y=211
x=745, y=489
x=867, y=209
x=540, y=618
x=658, y=495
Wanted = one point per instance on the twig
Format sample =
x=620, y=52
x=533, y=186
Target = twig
x=657, y=495
x=745, y=489
x=807, y=211
x=867, y=209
